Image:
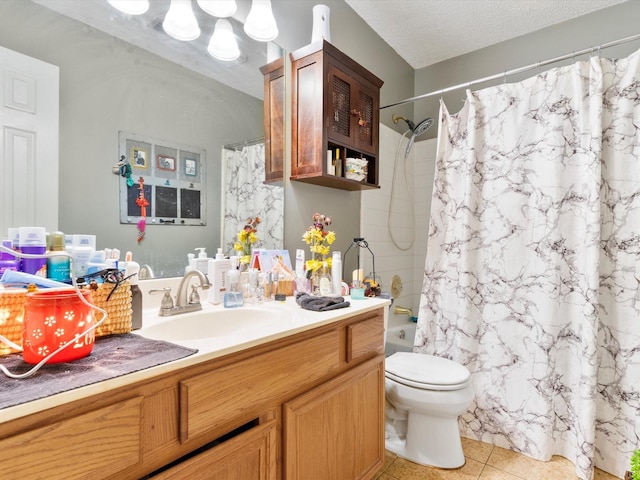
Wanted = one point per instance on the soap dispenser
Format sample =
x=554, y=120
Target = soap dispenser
x=233, y=297
x=202, y=262
x=191, y=262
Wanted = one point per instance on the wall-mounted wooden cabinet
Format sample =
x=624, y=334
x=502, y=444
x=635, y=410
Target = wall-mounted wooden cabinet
x=274, y=104
x=335, y=117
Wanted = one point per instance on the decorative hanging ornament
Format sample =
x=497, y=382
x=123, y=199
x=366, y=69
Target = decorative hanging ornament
x=142, y=202
x=124, y=169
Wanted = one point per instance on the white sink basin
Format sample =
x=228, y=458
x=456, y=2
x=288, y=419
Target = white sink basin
x=245, y=321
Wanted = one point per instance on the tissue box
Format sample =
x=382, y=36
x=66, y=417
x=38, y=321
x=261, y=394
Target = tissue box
x=356, y=169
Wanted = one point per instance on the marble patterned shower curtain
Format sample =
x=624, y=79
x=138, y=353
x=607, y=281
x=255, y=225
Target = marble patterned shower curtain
x=246, y=195
x=533, y=262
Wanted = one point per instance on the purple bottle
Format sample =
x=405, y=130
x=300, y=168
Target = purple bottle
x=33, y=240
x=7, y=261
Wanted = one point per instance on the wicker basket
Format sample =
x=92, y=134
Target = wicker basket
x=118, y=308
x=11, y=316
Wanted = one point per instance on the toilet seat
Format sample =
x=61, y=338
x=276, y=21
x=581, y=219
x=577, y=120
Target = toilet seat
x=426, y=372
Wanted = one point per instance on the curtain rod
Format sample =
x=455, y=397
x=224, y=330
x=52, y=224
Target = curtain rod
x=517, y=70
x=245, y=143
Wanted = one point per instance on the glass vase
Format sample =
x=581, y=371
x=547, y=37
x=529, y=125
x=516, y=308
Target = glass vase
x=315, y=275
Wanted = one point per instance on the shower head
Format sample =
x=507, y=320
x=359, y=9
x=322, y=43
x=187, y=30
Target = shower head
x=423, y=126
x=416, y=130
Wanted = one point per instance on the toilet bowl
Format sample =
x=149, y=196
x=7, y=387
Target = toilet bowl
x=425, y=395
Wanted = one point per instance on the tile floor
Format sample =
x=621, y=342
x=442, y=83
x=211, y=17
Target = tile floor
x=485, y=462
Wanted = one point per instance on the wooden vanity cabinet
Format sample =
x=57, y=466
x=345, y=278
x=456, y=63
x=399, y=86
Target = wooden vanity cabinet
x=274, y=107
x=309, y=405
x=335, y=113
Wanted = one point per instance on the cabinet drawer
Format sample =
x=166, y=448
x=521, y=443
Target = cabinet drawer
x=94, y=445
x=249, y=456
x=241, y=389
x=365, y=338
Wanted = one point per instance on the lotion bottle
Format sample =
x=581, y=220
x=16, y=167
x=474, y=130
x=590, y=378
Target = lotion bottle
x=336, y=273
x=217, y=273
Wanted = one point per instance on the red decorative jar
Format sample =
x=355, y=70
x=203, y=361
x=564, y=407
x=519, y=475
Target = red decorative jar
x=52, y=318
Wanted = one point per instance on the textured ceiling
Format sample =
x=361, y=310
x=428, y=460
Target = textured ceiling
x=424, y=32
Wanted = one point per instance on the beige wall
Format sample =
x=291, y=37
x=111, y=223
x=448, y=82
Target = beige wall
x=587, y=31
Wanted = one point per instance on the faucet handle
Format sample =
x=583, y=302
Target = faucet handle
x=194, y=297
x=167, y=301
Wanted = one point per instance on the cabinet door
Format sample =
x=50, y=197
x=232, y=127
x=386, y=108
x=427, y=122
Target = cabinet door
x=274, y=103
x=340, y=103
x=352, y=112
x=249, y=456
x=337, y=429
x=365, y=117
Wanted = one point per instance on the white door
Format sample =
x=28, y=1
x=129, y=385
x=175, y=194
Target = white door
x=28, y=142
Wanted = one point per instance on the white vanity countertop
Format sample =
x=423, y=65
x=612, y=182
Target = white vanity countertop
x=293, y=320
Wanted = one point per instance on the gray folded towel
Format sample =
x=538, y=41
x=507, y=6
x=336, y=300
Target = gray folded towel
x=320, y=304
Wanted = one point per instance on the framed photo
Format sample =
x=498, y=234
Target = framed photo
x=190, y=167
x=139, y=157
x=166, y=163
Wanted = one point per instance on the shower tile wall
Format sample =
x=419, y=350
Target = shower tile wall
x=391, y=260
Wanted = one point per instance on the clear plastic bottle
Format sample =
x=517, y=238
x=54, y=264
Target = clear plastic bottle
x=325, y=280
x=232, y=297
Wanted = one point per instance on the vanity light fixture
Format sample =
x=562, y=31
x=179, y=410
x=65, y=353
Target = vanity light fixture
x=223, y=45
x=180, y=22
x=131, y=7
x=218, y=8
x=261, y=24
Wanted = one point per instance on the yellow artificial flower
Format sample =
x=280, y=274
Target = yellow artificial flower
x=246, y=238
x=319, y=241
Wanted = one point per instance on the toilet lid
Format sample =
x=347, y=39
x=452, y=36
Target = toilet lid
x=426, y=371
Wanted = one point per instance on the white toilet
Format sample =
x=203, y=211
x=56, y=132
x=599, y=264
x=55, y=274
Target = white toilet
x=425, y=396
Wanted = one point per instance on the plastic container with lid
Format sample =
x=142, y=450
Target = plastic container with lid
x=33, y=241
x=8, y=261
x=83, y=247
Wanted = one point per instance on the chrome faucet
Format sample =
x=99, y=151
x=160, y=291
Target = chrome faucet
x=182, y=304
x=145, y=272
